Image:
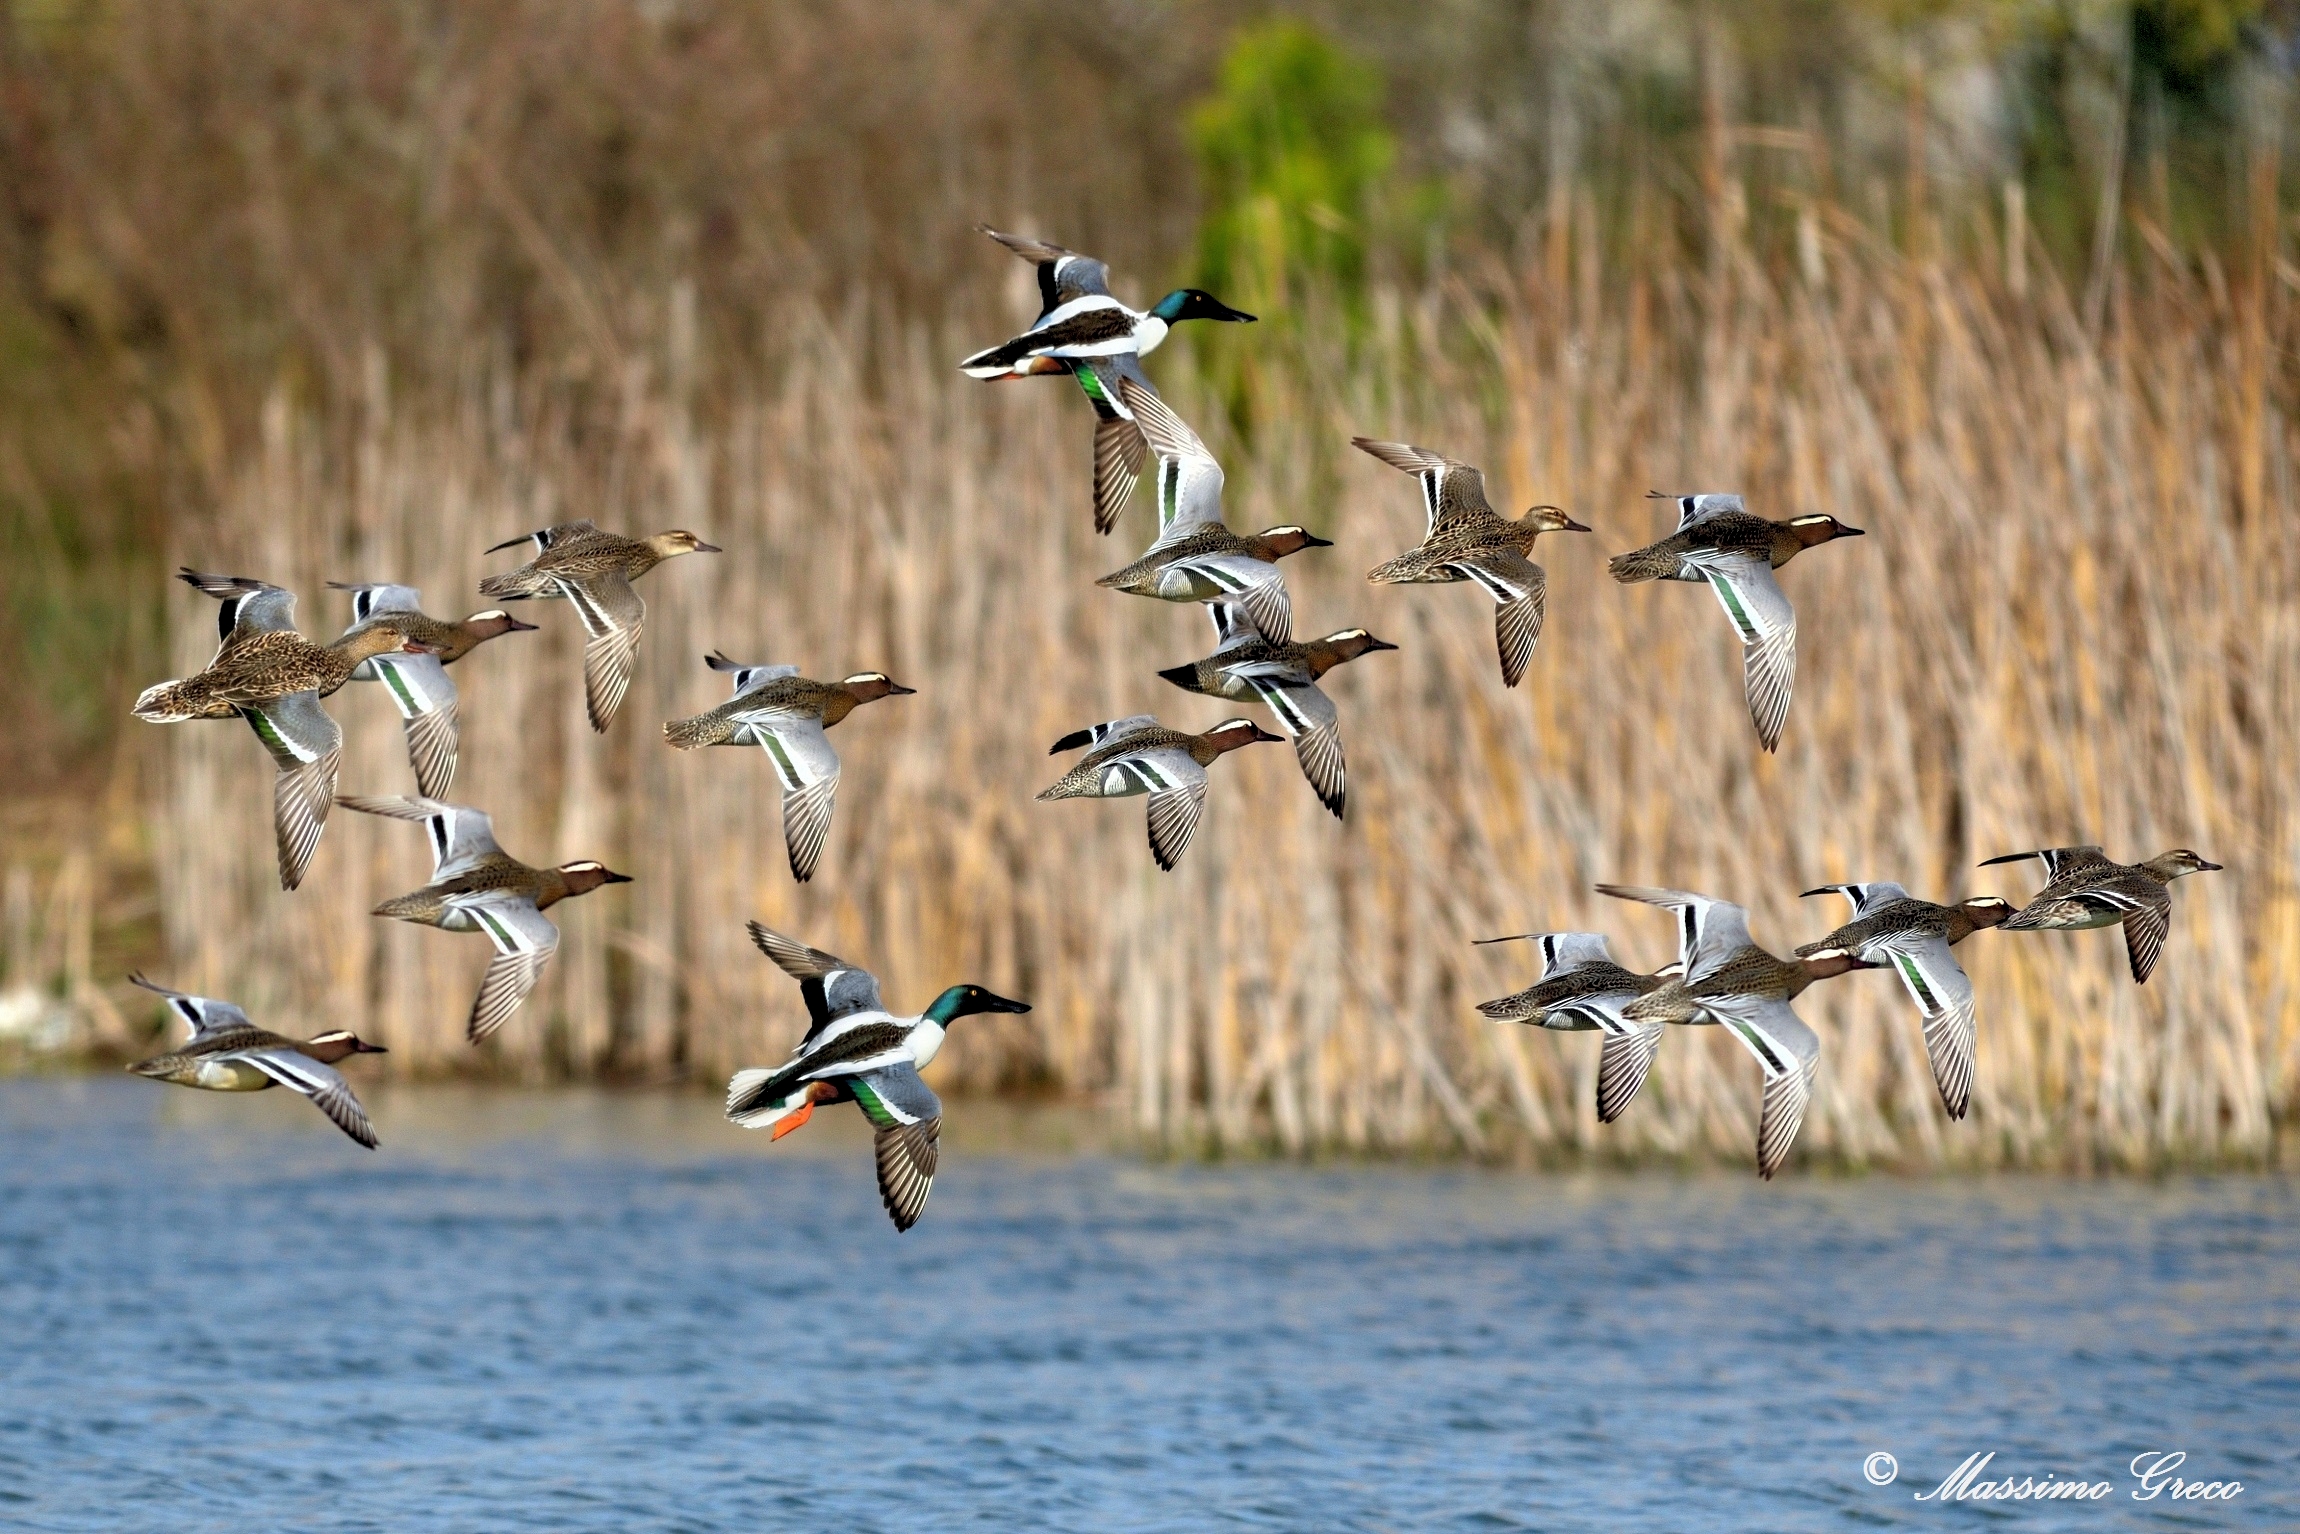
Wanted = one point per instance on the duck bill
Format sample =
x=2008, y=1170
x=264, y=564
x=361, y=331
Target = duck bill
x=2203, y=867
x=514, y=626
x=897, y=690
x=1378, y=644
x=1313, y=541
x=1261, y=734
x=707, y=548
x=609, y=876
x=1229, y=315
x=1851, y=532
x=995, y=1003
x=363, y=1047
x=1572, y=526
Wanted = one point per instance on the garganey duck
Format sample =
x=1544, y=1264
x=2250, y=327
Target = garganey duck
x=1138, y=755
x=419, y=684
x=478, y=887
x=856, y=1051
x=1196, y=557
x=1893, y=930
x=1736, y=553
x=1581, y=989
x=1247, y=667
x=786, y=714
x=2085, y=889
x=271, y=676
x=594, y=570
x=1467, y=540
x=1065, y=276
x=227, y=1053
x=1079, y=320
x=1729, y=980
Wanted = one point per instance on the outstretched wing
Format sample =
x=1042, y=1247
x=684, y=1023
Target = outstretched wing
x=1520, y=587
x=548, y=537
x=2057, y=860
x=1450, y=491
x=1937, y=983
x=321, y=1083
x=747, y=676
x=1103, y=734
x=204, y=1015
x=908, y=1117
x=612, y=614
x=461, y=837
x=308, y=747
x=808, y=770
x=1697, y=508
x=1176, y=805
x=1708, y=931
x=1189, y=479
x=1623, y=1062
x=2145, y=928
x=1310, y=719
x=1787, y=1050
x=1866, y=898
x=250, y=606
x=1253, y=587
x=525, y=940
x=1767, y=624
x=426, y=698
x=368, y=598
x=833, y=988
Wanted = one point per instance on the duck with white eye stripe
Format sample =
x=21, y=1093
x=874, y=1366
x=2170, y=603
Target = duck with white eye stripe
x=1735, y=553
x=785, y=714
x=1894, y=930
x=419, y=684
x=478, y=887
x=1138, y=755
x=2084, y=889
x=1197, y=558
x=1467, y=540
x=227, y=1053
x=1582, y=990
x=1248, y=667
x=1727, y=979
x=856, y=1051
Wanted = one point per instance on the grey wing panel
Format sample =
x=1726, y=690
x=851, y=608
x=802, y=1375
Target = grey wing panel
x=833, y=988
x=1937, y=983
x=321, y=1083
x=1709, y=931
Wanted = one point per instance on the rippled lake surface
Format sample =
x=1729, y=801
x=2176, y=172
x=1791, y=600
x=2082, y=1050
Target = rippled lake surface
x=591, y=1311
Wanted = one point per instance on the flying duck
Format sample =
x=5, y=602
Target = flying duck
x=856, y=1051
x=271, y=676
x=1729, y=980
x=1467, y=540
x=1248, y=667
x=1582, y=989
x=1138, y=755
x=1736, y=553
x=776, y=708
x=227, y=1053
x=1893, y=930
x=419, y=684
x=594, y=570
x=1081, y=320
x=478, y=887
x=1197, y=558
x=2085, y=889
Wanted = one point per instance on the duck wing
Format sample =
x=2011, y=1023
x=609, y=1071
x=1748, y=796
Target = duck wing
x=1189, y=479
x=1176, y=805
x=321, y=1083
x=525, y=940
x=748, y=676
x=1105, y=733
x=1692, y=509
x=1767, y=624
x=249, y=606
x=1311, y=721
x=425, y=695
x=1937, y=983
x=461, y=837
x=908, y=1118
x=833, y=988
x=1625, y=1058
x=203, y=1014
x=1451, y=491
x=1521, y=589
x=1867, y=898
x=547, y=537
x=1708, y=931
x=1788, y=1051
x=808, y=769
x=2146, y=924
x=612, y=614
x=308, y=747
x=370, y=598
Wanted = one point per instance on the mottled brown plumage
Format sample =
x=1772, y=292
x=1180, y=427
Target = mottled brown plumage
x=1734, y=532
x=828, y=702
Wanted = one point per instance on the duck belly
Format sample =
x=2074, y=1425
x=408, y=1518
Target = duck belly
x=229, y=1076
x=1179, y=583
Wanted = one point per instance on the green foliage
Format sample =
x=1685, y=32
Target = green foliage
x=1292, y=154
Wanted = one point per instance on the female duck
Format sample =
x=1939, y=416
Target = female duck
x=1581, y=989
x=2086, y=890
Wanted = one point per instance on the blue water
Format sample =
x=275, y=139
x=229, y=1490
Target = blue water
x=598, y=1312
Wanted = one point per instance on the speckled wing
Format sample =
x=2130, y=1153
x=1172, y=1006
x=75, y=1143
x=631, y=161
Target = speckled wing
x=308, y=748
x=461, y=837
x=1937, y=983
x=908, y=1118
x=550, y=537
x=1787, y=1050
x=1520, y=589
x=1451, y=491
x=808, y=770
x=612, y=614
x=2145, y=928
x=1189, y=479
x=1767, y=625
x=833, y=988
x=204, y=1015
x=524, y=939
x=1708, y=931
x=321, y=1083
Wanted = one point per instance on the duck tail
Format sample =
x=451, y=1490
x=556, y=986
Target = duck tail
x=1634, y=567
x=173, y=702
x=756, y=1099
x=405, y=908
x=1071, y=785
x=996, y=360
x=689, y=734
x=1184, y=677
x=513, y=585
x=1391, y=572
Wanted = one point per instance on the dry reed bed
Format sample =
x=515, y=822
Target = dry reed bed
x=2074, y=619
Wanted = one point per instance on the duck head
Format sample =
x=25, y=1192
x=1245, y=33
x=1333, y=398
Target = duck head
x=1290, y=539
x=1820, y=529
x=679, y=541
x=966, y=1000
x=1197, y=304
x=338, y=1044
x=1987, y=911
x=585, y=876
x=380, y=636
x=1349, y=644
x=1230, y=734
x=1552, y=519
x=2176, y=864
x=870, y=686
x=1821, y=963
x=494, y=621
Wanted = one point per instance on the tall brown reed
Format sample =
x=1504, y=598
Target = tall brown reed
x=2074, y=620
